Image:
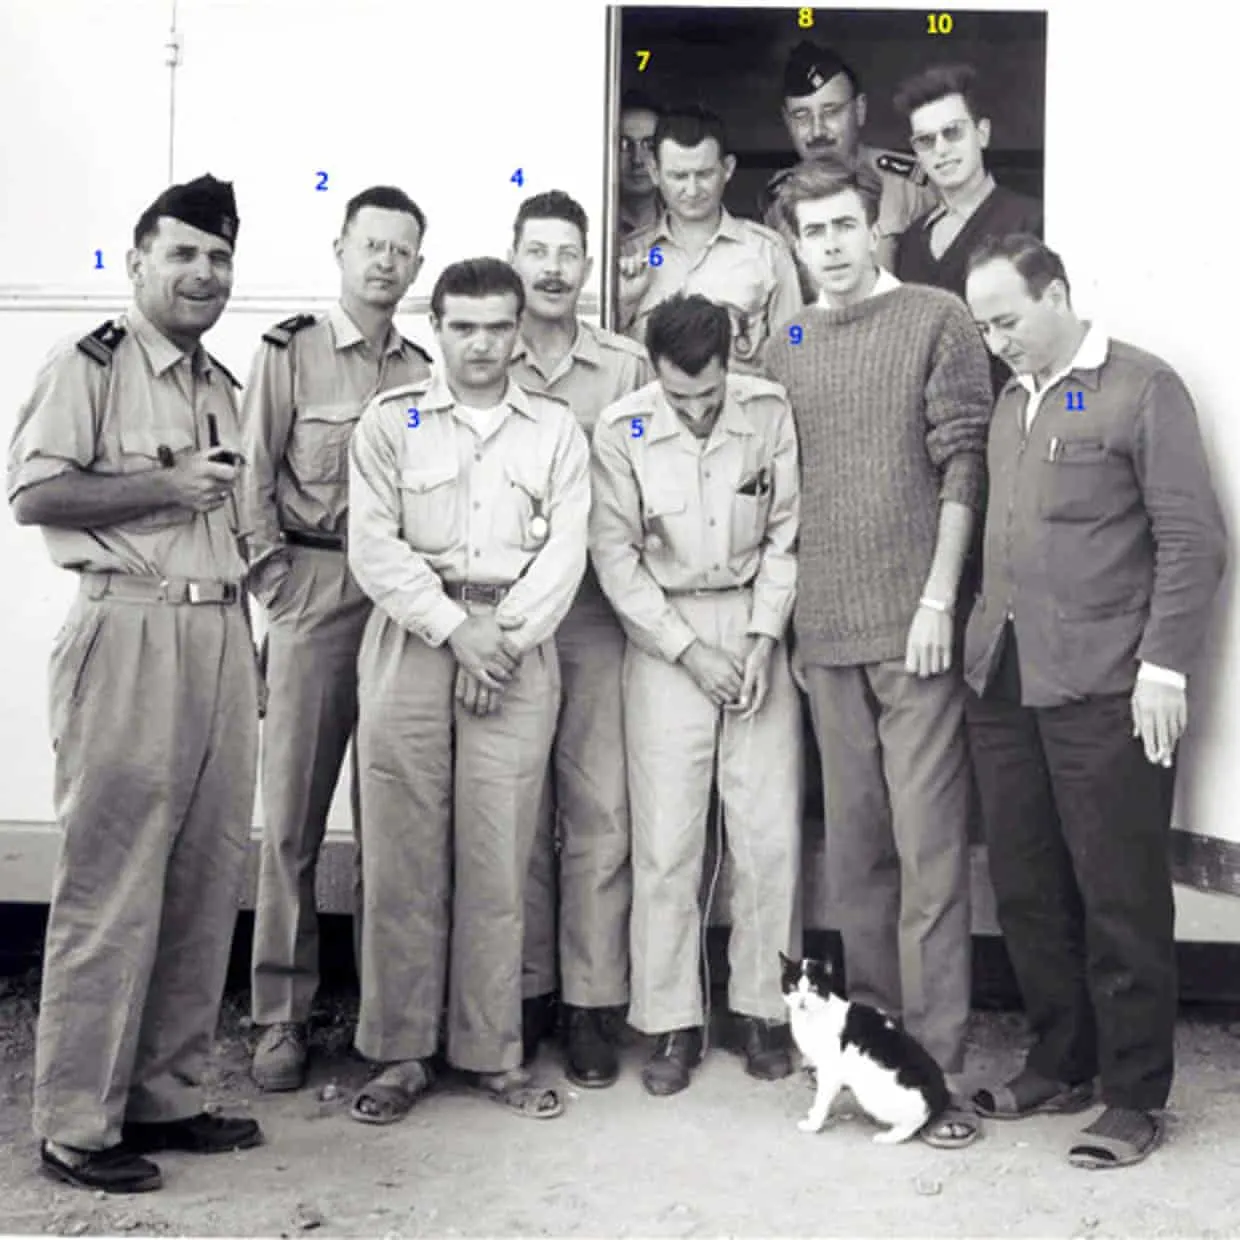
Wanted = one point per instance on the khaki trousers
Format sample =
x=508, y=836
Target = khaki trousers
x=154, y=720
x=586, y=795
x=896, y=778
x=449, y=809
x=677, y=741
x=313, y=637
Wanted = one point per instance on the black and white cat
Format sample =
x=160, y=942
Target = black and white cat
x=891, y=1075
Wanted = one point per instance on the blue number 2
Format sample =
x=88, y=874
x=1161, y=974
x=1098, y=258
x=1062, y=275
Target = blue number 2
x=1076, y=402
x=415, y=419
x=637, y=428
x=322, y=180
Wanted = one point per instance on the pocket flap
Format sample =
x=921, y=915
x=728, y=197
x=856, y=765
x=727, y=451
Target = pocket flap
x=349, y=411
x=422, y=480
x=663, y=503
x=147, y=440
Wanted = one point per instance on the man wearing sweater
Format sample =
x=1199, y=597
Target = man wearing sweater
x=1104, y=548
x=891, y=395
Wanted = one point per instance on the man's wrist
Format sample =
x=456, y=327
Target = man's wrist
x=931, y=602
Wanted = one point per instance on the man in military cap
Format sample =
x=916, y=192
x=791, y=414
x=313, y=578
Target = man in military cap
x=125, y=454
x=824, y=111
x=698, y=246
x=311, y=379
x=640, y=205
x=561, y=355
x=469, y=502
x=695, y=516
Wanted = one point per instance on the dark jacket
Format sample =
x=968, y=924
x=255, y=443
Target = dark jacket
x=1104, y=540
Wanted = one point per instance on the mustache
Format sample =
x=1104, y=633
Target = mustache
x=552, y=286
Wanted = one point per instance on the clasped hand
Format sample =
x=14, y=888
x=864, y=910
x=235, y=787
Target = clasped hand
x=736, y=681
x=487, y=659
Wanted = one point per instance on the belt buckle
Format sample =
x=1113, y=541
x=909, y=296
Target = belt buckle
x=230, y=592
x=194, y=592
x=477, y=592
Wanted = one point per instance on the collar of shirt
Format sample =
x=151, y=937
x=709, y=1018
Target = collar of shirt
x=884, y=284
x=666, y=423
x=585, y=349
x=346, y=332
x=160, y=352
x=439, y=398
x=730, y=228
x=966, y=208
x=1091, y=355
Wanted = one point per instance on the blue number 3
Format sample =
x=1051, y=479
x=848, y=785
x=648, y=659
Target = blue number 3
x=415, y=419
x=637, y=428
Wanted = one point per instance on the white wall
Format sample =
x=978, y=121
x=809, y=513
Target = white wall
x=447, y=100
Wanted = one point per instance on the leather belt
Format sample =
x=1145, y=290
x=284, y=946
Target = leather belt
x=708, y=590
x=132, y=588
x=475, y=592
x=320, y=542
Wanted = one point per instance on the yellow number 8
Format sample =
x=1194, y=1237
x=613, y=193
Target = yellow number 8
x=805, y=18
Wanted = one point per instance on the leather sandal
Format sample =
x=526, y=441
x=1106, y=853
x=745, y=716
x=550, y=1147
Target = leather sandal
x=1030, y=1093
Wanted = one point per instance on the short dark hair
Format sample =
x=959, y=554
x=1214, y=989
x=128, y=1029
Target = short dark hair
x=689, y=125
x=937, y=82
x=1037, y=263
x=147, y=226
x=825, y=178
x=555, y=204
x=390, y=199
x=689, y=331
x=639, y=101
x=476, y=277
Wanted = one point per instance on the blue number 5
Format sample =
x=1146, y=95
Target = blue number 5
x=636, y=428
x=415, y=419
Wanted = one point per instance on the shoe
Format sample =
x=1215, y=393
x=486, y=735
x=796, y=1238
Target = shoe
x=764, y=1043
x=593, y=1060
x=200, y=1134
x=279, y=1062
x=537, y=1021
x=671, y=1062
x=115, y=1170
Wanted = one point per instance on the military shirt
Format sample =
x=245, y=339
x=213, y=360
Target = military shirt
x=675, y=513
x=431, y=502
x=598, y=370
x=906, y=195
x=110, y=413
x=745, y=267
x=301, y=404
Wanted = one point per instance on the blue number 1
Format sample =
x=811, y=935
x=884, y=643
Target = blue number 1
x=415, y=419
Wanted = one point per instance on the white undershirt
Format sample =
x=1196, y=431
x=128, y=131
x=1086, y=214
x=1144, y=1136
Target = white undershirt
x=484, y=421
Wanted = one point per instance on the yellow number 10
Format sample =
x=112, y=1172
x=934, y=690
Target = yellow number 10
x=940, y=23
x=805, y=18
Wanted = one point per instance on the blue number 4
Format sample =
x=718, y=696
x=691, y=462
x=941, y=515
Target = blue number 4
x=1076, y=402
x=518, y=177
x=415, y=419
x=636, y=428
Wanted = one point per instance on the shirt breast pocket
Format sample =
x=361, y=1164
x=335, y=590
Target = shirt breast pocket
x=139, y=452
x=521, y=513
x=662, y=511
x=1083, y=482
x=751, y=507
x=428, y=501
x=744, y=298
x=318, y=445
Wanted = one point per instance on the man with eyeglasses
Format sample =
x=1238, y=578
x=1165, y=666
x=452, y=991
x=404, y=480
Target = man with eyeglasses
x=311, y=379
x=950, y=136
x=639, y=204
x=824, y=112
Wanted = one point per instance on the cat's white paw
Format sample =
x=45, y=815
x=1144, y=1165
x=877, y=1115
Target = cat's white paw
x=811, y=1123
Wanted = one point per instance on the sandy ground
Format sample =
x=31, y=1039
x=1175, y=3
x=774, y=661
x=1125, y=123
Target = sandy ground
x=724, y=1157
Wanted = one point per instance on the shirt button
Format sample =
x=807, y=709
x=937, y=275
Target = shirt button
x=477, y=456
x=706, y=473
x=712, y=521
x=715, y=567
x=477, y=553
x=477, y=504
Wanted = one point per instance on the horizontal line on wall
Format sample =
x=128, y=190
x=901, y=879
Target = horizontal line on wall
x=16, y=298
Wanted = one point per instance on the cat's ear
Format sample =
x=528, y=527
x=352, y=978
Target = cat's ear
x=784, y=961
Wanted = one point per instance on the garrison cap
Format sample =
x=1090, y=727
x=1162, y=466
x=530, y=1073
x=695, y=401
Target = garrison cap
x=205, y=203
x=810, y=67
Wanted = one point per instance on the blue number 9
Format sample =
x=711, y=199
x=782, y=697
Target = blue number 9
x=636, y=428
x=415, y=419
x=795, y=334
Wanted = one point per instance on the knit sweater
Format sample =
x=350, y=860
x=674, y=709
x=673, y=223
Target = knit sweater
x=892, y=403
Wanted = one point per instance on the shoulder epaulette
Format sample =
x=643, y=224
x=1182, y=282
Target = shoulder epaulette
x=416, y=388
x=621, y=344
x=634, y=405
x=419, y=350
x=750, y=387
x=228, y=374
x=901, y=165
x=764, y=231
x=100, y=344
x=282, y=333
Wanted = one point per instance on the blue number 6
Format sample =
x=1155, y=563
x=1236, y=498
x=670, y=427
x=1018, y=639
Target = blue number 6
x=636, y=428
x=795, y=334
x=415, y=419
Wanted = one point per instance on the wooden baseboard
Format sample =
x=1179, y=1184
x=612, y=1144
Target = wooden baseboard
x=1206, y=862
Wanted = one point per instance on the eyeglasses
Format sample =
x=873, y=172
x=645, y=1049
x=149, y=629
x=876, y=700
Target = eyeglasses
x=826, y=114
x=398, y=249
x=924, y=143
x=629, y=145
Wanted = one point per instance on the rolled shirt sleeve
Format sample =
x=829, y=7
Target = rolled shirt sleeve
x=267, y=420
